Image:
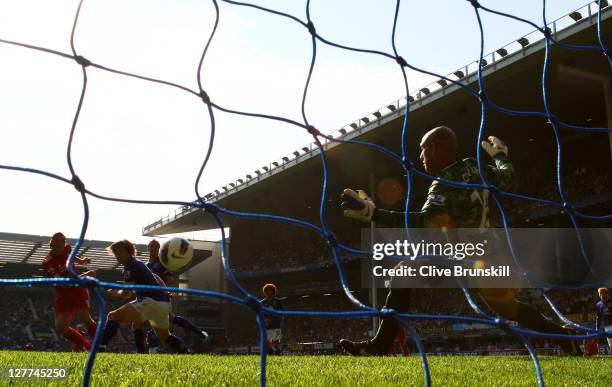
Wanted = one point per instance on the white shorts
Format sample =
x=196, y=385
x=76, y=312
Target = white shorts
x=274, y=334
x=155, y=312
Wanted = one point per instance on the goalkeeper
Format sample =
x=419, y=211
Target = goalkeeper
x=448, y=207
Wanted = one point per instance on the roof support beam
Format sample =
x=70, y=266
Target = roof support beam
x=31, y=252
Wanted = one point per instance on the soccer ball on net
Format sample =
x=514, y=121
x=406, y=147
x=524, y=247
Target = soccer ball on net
x=176, y=253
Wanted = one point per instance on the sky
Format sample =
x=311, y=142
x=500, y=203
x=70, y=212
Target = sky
x=140, y=140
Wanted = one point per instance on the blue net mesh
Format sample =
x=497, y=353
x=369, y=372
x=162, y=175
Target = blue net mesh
x=248, y=300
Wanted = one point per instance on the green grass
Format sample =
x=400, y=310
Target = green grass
x=205, y=370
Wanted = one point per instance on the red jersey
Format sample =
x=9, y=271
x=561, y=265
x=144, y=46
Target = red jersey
x=66, y=297
x=56, y=266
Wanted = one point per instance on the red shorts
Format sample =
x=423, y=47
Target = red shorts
x=71, y=300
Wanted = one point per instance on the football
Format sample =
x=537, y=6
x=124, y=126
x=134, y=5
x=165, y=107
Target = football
x=176, y=253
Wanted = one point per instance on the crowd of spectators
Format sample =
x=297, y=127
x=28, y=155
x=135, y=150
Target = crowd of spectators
x=423, y=301
x=580, y=184
x=585, y=170
x=440, y=336
x=577, y=304
x=271, y=245
x=27, y=321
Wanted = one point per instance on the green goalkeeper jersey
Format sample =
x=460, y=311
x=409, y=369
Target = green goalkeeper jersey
x=467, y=207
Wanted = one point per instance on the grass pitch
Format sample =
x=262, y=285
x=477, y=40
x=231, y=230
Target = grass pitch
x=205, y=370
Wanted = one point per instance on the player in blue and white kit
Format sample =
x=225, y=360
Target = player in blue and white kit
x=603, y=309
x=272, y=322
x=151, y=306
x=157, y=268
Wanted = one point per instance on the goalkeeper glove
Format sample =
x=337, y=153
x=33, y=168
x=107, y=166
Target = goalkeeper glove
x=357, y=205
x=494, y=146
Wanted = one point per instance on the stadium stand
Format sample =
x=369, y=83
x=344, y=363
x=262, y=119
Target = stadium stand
x=320, y=336
x=300, y=262
x=21, y=256
x=32, y=323
x=576, y=94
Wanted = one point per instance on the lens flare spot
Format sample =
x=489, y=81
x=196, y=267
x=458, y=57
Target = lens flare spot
x=479, y=264
x=389, y=191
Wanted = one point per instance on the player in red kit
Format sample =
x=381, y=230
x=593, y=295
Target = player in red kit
x=69, y=301
x=398, y=348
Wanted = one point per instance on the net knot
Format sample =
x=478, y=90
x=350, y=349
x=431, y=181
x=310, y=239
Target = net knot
x=311, y=28
x=552, y=120
x=210, y=208
x=388, y=312
x=204, y=96
x=474, y=3
x=407, y=163
x=567, y=206
x=82, y=60
x=401, y=61
x=253, y=303
x=331, y=239
x=77, y=183
x=483, y=97
x=312, y=130
x=547, y=32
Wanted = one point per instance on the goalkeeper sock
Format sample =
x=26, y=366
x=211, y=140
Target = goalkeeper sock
x=110, y=330
x=139, y=338
x=399, y=300
x=530, y=318
x=186, y=324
